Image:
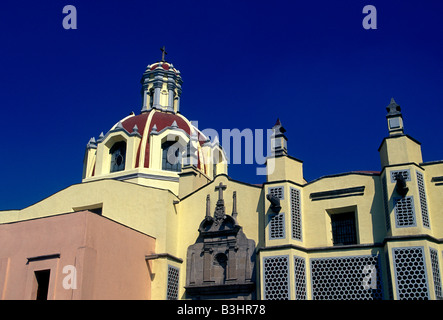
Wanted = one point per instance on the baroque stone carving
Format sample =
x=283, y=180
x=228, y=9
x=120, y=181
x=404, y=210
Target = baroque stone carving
x=221, y=263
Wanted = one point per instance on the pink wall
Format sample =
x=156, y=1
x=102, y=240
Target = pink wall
x=109, y=258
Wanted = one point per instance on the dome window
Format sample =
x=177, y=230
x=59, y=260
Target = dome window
x=118, y=156
x=171, y=156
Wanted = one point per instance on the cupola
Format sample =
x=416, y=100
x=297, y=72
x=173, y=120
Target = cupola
x=161, y=87
x=158, y=147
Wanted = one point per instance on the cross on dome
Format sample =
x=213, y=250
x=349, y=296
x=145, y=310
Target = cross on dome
x=163, y=50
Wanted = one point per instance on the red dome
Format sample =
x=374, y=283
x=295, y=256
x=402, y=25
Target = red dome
x=161, y=120
x=165, y=65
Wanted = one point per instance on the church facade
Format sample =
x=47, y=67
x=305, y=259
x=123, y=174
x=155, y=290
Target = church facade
x=156, y=216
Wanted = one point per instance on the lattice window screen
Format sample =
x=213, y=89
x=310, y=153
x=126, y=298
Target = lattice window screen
x=277, y=192
x=300, y=278
x=276, y=278
x=404, y=212
x=386, y=203
x=296, y=214
x=405, y=173
x=346, y=278
x=423, y=203
x=436, y=274
x=277, y=226
x=410, y=273
x=172, y=288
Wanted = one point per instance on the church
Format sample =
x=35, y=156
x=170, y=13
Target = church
x=157, y=217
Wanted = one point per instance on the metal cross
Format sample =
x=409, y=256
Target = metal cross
x=220, y=189
x=163, y=53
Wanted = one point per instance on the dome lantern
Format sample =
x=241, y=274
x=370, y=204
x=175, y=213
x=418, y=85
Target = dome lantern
x=161, y=86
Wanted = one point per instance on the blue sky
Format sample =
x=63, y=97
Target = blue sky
x=244, y=64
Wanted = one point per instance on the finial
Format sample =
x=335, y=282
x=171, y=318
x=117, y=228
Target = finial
x=394, y=117
x=393, y=108
x=278, y=139
x=234, y=205
x=163, y=53
x=278, y=127
x=119, y=125
x=92, y=143
x=208, y=206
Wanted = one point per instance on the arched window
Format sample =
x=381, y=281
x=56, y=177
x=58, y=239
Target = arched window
x=151, y=98
x=214, y=167
x=216, y=159
x=171, y=156
x=118, y=156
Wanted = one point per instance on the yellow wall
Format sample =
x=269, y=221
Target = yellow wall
x=435, y=197
x=284, y=168
x=398, y=150
x=316, y=222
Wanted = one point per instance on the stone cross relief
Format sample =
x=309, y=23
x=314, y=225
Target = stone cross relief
x=219, y=213
x=221, y=187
